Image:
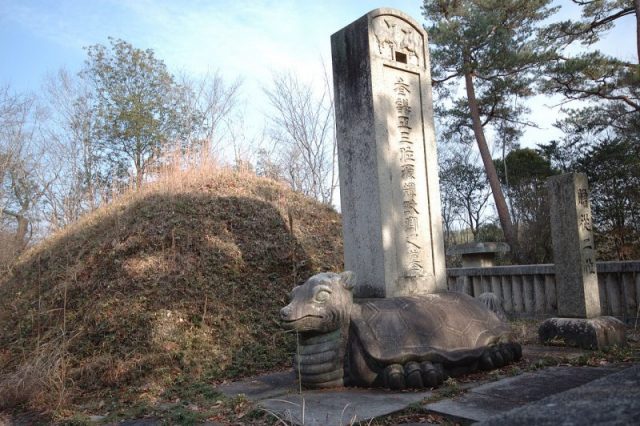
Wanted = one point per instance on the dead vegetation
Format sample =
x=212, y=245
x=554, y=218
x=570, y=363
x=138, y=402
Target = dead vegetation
x=177, y=284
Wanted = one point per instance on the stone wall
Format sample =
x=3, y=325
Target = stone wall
x=530, y=290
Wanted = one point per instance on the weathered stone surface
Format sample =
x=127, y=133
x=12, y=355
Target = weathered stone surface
x=478, y=254
x=593, y=333
x=610, y=400
x=488, y=400
x=387, y=156
x=494, y=303
x=339, y=406
x=573, y=247
x=398, y=343
x=264, y=386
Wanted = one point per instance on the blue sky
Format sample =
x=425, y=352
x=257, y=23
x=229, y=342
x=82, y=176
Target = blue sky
x=239, y=37
x=250, y=39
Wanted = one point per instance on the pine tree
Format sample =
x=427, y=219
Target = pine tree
x=493, y=47
x=606, y=89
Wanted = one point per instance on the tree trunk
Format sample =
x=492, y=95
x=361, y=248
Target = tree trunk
x=21, y=233
x=20, y=239
x=636, y=3
x=492, y=175
x=139, y=180
x=138, y=167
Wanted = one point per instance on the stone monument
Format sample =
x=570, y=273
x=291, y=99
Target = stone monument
x=396, y=327
x=387, y=156
x=579, y=321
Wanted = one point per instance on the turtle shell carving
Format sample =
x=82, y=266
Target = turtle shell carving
x=444, y=327
x=401, y=342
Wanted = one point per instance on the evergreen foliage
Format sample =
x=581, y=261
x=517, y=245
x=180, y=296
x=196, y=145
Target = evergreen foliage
x=139, y=108
x=524, y=173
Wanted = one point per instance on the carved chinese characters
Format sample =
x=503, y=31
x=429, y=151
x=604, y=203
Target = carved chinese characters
x=573, y=247
x=584, y=229
x=412, y=261
x=389, y=189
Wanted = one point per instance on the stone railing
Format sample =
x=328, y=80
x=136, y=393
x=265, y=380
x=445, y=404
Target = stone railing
x=530, y=290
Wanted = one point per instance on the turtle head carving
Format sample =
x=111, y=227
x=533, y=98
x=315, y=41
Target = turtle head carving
x=320, y=305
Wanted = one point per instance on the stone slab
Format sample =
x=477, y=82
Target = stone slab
x=533, y=386
x=340, y=406
x=262, y=387
x=491, y=399
x=610, y=400
x=478, y=248
x=593, y=333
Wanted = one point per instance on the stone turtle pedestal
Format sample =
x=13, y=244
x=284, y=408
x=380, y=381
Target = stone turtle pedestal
x=586, y=333
x=397, y=343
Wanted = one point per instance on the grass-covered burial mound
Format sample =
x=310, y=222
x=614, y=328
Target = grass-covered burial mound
x=172, y=287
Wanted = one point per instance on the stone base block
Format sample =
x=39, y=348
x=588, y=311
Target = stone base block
x=593, y=333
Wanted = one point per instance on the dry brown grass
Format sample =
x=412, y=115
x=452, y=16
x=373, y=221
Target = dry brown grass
x=181, y=281
x=38, y=382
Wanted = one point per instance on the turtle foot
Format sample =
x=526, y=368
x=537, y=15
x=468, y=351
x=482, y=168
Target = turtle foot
x=393, y=377
x=516, y=349
x=500, y=355
x=432, y=374
x=413, y=375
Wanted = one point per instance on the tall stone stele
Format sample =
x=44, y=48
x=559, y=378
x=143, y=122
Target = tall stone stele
x=579, y=322
x=387, y=156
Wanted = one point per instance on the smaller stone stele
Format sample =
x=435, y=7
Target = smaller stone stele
x=397, y=343
x=586, y=333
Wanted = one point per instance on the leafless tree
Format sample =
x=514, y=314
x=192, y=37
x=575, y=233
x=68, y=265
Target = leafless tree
x=302, y=128
x=246, y=146
x=211, y=104
x=465, y=191
x=20, y=162
x=71, y=153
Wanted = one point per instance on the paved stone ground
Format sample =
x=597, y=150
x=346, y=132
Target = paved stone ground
x=488, y=400
x=612, y=400
x=262, y=387
x=278, y=393
x=556, y=395
x=340, y=407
